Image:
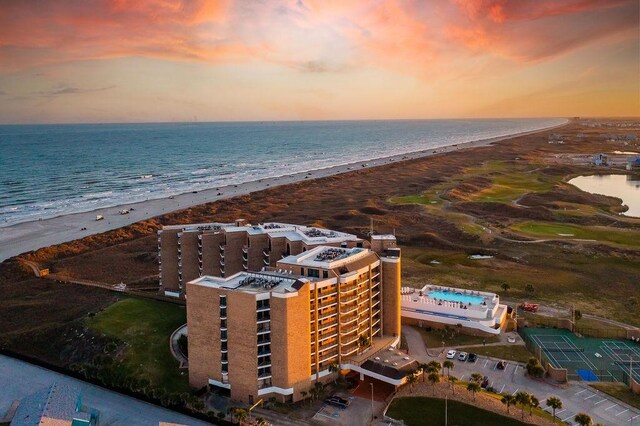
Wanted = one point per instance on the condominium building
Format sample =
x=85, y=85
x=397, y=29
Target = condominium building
x=276, y=330
x=187, y=252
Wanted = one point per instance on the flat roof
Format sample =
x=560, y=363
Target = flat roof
x=392, y=363
x=256, y=282
x=326, y=257
x=308, y=234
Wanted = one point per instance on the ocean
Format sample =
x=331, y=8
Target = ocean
x=52, y=170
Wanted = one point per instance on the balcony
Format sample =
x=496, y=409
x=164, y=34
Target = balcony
x=348, y=299
x=222, y=263
x=265, y=254
x=346, y=330
x=263, y=328
x=326, y=337
x=348, y=288
x=327, y=315
x=348, y=351
x=245, y=267
x=222, y=271
x=335, y=345
x=221, y=247
x=264, y=352
x=349, y=320
x=328, y=356
x=363, y=291
x=350, y=340
x=265, y=375
x=245, y=249
x=328, y=303
x=348, y=309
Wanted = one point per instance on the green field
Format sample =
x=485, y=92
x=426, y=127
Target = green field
x=625, y=237
x=435, y=337
x=516, y=353
x=415, y=411
x=144, y=327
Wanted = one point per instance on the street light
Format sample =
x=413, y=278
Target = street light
x=371, y=384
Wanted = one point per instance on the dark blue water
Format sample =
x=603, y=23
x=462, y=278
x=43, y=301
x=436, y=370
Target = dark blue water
x=49, y=170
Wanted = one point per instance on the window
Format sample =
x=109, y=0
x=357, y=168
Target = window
x=223, y=335
x=325, y=274
x=223, y=312
x=223, y=346
x=314, y=273
x=223, y=323
x=359, y=245
x=224, y=357
x=263, y=316
x=223, y=301
x=262, y=304
x=225, y=367
x=301, y=271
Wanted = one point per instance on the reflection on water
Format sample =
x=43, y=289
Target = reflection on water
x=621, y=186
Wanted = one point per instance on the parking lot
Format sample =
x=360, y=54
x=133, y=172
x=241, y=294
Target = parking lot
x=576, y=397
x=358, y=413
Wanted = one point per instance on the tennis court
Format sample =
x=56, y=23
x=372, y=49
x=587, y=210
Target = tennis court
x=585, y=358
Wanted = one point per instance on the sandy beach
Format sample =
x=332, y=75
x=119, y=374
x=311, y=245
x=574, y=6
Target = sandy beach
x=29, y=236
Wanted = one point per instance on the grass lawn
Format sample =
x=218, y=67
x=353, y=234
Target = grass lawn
x=435, y=337
x=618, y=391
x=517, y=353
x=145, y=327
x=624, y=237
x=416, y=411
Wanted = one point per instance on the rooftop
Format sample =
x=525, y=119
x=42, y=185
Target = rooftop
x=56, y=404
x=313, y=235
x=326, y=257
x=255, y=282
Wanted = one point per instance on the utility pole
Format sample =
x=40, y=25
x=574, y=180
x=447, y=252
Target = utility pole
x=371, y=384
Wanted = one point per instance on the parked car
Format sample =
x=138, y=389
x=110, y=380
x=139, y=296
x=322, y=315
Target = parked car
x=485, y=382
x=336, y=401
x=472, y=357
x=501, y=365
x=463, y=356
x=451, y=354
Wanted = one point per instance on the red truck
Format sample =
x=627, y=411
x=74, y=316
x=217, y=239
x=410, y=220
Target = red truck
x=529, y=307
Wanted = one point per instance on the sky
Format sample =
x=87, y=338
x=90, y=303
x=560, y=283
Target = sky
x=72, y=61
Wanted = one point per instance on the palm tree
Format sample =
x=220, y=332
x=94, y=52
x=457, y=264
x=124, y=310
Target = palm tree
x=334, y=368
x=453, y=380
x=423, y=367
x=241, y=415
x=583, y=419
x=448, y=364
x=476, y=377
x=524, y=399
x=508, y=400
x=555, y=403
x=434, y=378
x=533, y=404
x=473, y=387
x=434, y=366
x=412, y=379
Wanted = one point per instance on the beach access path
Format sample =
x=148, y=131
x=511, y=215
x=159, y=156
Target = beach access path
x=30, y=236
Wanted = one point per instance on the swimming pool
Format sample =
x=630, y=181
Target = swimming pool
x=450, y=296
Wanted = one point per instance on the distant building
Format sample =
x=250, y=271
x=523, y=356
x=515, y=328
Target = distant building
x=56, y=405
x=601, y=159
x=633, y=163
x=186, y=252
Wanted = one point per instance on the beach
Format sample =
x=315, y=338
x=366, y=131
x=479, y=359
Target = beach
x=30, y=236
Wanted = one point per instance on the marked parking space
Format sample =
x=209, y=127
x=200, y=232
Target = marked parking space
x=502, y=390
x=582, y=391
x=567, y=418
x=516, y=391
x=485, y=363
x=591, y=396
x=622, y=412
x=601, y=401
x=610, y=407
x=633, y=418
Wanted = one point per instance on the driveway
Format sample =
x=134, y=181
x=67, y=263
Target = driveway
x=20, y=379
x=576, y=396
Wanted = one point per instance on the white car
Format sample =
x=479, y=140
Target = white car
x=451, y=354
x=463, y=356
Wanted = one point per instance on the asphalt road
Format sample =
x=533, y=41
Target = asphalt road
x=19, y=379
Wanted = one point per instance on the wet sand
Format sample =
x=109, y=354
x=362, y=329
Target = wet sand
x=29, y=236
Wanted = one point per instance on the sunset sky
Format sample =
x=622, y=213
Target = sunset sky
x=164, y=60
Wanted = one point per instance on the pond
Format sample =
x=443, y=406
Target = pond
x=627, y=188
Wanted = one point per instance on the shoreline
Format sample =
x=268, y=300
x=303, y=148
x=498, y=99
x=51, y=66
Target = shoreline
x=32, y=235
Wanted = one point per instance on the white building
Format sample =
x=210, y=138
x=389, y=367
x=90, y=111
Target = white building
x=437, y=305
